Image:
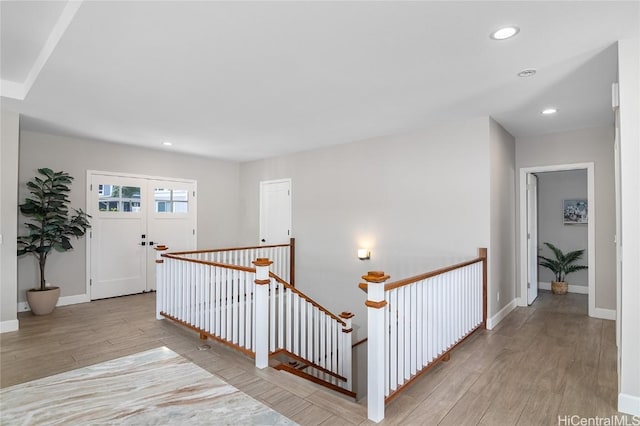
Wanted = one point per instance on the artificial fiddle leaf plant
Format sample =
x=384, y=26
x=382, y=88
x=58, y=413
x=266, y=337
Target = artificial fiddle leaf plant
x=53, y=222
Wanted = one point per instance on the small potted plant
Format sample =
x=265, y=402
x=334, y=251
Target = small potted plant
x=562, y=265
x=52, y=225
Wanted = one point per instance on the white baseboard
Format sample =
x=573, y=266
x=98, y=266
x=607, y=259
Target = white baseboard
x=608, y=314
x=63, y=301
x=8, y=326
x=495, y=320
x=580, y=289
x=629, y=404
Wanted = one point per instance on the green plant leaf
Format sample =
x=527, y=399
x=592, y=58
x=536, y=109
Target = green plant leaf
x=51, y=226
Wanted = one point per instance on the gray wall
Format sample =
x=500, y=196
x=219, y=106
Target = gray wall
x=580, y=146
x=553, y=188
x=502, y=250
x=8, y=218
x=417, y=201
x=217, y=194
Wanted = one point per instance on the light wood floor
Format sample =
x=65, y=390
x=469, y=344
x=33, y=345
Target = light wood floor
x=539, y=363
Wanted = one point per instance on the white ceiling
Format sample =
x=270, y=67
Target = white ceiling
x=248, y=80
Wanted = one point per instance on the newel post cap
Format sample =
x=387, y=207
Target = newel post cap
x=376, y=277
x=161, y=247
x=262, y=261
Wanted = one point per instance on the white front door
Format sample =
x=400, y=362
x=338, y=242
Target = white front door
x=130, y=216
x=532, y=238
x=118, y=224
x=171, y=220
x=275, y=211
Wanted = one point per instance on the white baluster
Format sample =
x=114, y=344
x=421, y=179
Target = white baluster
x=310, y=337
x=323, y=339
x=288, y=320
x=391, y=342
x=242, y=294
x=197, y=292
x=414, y=329
x=420, y=323
x=182, y=267
x=281, y=296
x=272, y=315
x=316, y=336
x=333, y=347
x=224, y=302
x=303, y=328
x=296, y=324
x=402, y=344
x=248, y=292
x=235, y=294
x=406, y=327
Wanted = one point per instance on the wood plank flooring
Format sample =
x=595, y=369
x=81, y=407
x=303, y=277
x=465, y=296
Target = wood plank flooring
x=540, y=362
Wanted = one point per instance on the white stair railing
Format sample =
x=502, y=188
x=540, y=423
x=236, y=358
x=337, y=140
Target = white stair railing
x=282, y=256
x=254, y=310
x=416, y=322
x=304, y=330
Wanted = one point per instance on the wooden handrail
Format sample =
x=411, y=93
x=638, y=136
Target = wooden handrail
x=206, y=262
x=230, y=249
x=414, y=279
x=305, y=297
x=359, y=342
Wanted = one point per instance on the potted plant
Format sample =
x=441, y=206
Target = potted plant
x=562, y=265
x=52, y=225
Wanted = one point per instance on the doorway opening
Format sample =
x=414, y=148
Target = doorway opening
x=528, y=252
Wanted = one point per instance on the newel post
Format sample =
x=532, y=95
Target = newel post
x=292, y=262
x=347, y=351
x=262, y=311
x=482, y=253
x=376, y=350
x=161, y=293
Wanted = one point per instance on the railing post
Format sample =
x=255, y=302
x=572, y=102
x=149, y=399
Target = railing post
x=262, y=311
x=376, y=350
x=292, y=262
x=482, y=252
x=161, y=293
x=347, y=341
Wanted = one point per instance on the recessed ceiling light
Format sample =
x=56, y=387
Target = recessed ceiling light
x=504, y=33
x=529, y=72
x=549, y=111
x=167, y=143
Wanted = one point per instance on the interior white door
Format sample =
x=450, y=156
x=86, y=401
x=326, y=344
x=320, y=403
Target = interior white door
x=532, y=238
x=130, y=217
x=171, y=220
x=118, y=227
x=275, y=211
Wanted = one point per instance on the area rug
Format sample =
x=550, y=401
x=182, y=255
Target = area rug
x=156, y=387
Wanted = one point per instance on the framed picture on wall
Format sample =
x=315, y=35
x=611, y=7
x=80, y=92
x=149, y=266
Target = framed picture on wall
x=575, y=211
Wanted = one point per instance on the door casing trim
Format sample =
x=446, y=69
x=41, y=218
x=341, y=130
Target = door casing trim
x=591, y=227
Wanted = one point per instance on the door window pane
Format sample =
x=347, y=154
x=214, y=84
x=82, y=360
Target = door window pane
x=116, y=198
x=171, y=200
